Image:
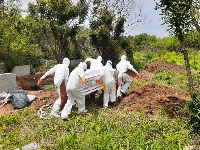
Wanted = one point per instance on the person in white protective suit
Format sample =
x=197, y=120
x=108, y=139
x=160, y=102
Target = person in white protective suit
x=60, y=81
x=124, y=80
x=95, y=64
x=75, y=90
x=107, y=75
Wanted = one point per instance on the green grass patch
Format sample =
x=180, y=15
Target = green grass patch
x=136, y=84
x=174, y=57
x=171, y=80
x=104, y=129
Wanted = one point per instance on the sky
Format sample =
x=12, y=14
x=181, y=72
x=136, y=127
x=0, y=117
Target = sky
x=151, y=25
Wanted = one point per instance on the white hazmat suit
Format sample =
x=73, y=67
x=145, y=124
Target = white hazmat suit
x=61, y=77
x=75, y=90
x=107, y=75
x=124, y=79
x=95, y=64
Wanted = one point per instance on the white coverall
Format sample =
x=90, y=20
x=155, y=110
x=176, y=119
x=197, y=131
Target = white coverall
x=107, y=75
x=61, y=73
x=124, y=80
x=75, y=91
x=95, y=64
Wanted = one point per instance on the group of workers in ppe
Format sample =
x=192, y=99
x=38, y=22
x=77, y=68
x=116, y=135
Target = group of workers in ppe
x=70, y=86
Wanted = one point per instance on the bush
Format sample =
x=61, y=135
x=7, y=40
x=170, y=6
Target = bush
x=194, y=109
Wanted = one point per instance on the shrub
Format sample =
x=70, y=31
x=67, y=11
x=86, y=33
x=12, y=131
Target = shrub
x=194, y=109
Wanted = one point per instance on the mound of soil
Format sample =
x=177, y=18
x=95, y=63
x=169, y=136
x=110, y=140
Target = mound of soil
x=152, y=97
x=165, y=65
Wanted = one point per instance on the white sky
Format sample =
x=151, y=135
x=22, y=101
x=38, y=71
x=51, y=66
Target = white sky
x=151, y=26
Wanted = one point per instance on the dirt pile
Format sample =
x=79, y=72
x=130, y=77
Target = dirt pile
x=165, y=65
x=152, y=97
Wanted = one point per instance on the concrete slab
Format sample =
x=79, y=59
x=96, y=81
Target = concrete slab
x=8, y=82
x=21, y=70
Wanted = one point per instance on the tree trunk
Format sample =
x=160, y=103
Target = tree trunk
x=187, y=64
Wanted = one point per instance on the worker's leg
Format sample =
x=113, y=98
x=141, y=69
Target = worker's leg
x=56, y=105
x=127, y=82
x=81, y=106
x=106, y=96
x=80, y=99
x=112, y=93
x=63, y=94
x=68, y=106
x=120, y=83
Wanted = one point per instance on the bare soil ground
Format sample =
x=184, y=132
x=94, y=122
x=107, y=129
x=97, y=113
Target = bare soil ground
x=149, y=98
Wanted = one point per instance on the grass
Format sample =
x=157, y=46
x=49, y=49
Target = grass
x=105, y=129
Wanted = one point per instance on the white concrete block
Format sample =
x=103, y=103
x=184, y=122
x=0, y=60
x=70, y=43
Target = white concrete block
x=8, y=82
x=21, y=70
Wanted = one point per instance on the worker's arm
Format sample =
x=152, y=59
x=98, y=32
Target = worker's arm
x=39, y=81
x=132, y=69
x=52, y=70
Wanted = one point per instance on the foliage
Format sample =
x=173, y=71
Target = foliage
x=177, y=15
x=192, y=40
x=61, y=23
x=143, y=41
x=174, y=57
x=99, y=129
x=17, y=45
x=194, y=107
x=168, y=43
x=101, y=37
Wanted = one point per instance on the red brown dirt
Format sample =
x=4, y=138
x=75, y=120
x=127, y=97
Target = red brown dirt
x=149, y=98
x=152, y=97
x=165, y=65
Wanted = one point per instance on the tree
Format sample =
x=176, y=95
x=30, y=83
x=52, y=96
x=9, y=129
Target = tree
x=107, y=26
x=60, y=20
x=194, y=12
x=17, y=47
x=143, y=41
x=177, y=15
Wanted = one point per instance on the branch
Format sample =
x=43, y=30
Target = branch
x=195, y=22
